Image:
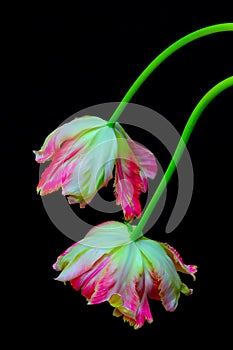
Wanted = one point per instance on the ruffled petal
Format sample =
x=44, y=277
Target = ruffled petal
x=164, y=272
x=147, y=286
x=130, y=320
x=128, y=186
x=145, y=158
x=80, y=264
x=104, y=286
x=143, y=314
x=68, y=255
x=87, y=281
x=178, y=261
x=53, y=176
x=67, y=131
x=93, y=169
x=126, y=318
x=118, y=284
x=128, y=182
x=91, y=268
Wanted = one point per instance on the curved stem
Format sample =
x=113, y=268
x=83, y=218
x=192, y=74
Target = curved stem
x=208, y=97
x=160, y=58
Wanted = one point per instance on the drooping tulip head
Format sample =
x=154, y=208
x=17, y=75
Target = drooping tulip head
x=84, y=156
x=108, y=266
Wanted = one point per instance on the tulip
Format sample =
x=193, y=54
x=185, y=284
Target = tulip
x=85, y=154
x=108, y=266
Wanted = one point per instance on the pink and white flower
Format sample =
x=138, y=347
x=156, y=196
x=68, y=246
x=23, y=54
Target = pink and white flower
x=108, y=266
x=84, y=155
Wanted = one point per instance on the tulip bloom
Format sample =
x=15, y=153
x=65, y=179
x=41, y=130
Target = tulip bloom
x=108, y=266
x=84, y=154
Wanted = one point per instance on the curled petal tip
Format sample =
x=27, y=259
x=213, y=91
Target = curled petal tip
x=185, y=290
x=193, y=272
x=194, y=268
x=116, y=301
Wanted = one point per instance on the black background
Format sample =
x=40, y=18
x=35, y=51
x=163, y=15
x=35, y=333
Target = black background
x=59, y=61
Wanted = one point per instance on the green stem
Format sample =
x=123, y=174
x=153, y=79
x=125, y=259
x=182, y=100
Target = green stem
x=160, y=58
x=208, y=97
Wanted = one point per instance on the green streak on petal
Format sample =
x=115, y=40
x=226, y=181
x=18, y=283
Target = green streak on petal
x=100, y=180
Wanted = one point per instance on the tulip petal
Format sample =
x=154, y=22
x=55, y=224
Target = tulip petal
x=164, y=271
x=149, y=284
x=130, y=320
x=178, y=261
x=116, y=300
x=110, y=234
x=93, y=169
x=52, y=177
x=75, y=262
x=127, y=188
x=128, y=182
x=118, y=284
x=68, y=255
x=116, y=313
x=134, y=164
x=145, y=158
x=67, y=131
x=87, y=281
x=143, y=314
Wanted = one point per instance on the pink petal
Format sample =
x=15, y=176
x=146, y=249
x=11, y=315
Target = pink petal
x=178, y=261
x=145, y=158
x=148, y=284
x=144, y=182
x=163, y=271
x=128, y=184
x=170, y=289
x=104, y=287
x=53, y=176
x=87, y=281
x=118, y=284
x=130, y=298
x=143, y=314
x=67, y=131
x=130, y=178
x=169, y=292
x=68, y=255
x=79, y=264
